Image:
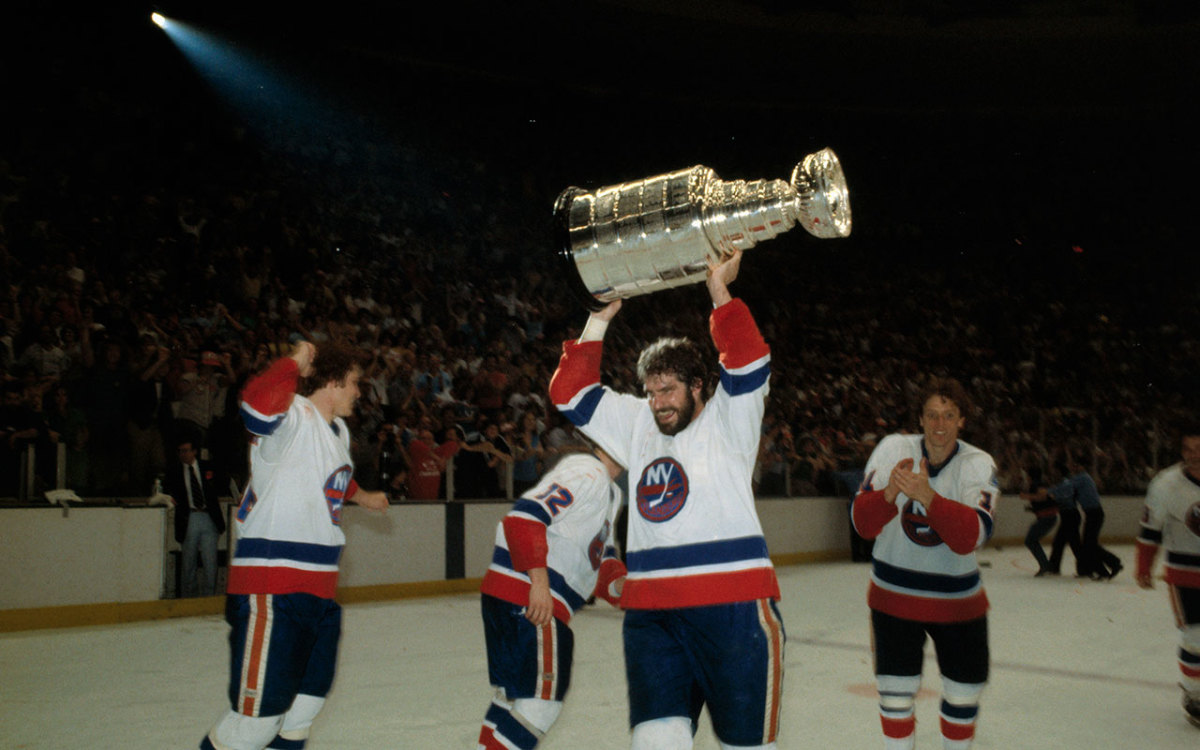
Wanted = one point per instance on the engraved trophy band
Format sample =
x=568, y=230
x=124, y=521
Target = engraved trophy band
x=657, y=233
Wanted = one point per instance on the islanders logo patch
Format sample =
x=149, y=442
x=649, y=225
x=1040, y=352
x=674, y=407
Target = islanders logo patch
x=596, y=547
x=247, y=504
x=1191, y=519
x=916, y=526
x=335, y=492
x=662, y=490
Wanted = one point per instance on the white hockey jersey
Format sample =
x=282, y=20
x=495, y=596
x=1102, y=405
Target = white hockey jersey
x=1171, y=519
x=916, y=574
x=694, y=534
x=571, y=511
x=289, y=520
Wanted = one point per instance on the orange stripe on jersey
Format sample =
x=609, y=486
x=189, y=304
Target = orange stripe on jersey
x=927, y=609
x=278, y=579
x=774, y=631
x=1186, y=577
x=548, y=663
x=254, y=653
x=700, y=590
x=516, y=590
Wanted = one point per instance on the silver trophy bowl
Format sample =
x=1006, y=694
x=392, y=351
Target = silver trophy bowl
x=661, y=232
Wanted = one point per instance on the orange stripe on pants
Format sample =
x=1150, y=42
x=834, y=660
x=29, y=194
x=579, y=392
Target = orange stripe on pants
x=548, y=663
x=774, y=632
x=254, y=653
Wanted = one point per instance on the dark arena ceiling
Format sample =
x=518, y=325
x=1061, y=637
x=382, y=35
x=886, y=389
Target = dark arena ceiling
x=1055, y=111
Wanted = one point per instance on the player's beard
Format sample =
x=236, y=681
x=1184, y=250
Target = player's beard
x=683, y=417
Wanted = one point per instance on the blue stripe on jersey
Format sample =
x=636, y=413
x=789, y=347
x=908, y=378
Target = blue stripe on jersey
x=989, y=525
x=918, y=581
x=736, y=385
x=583, y=411
x=701, y=553
x=558, y=584
x=535, y=509
x=1179, y=558
x=270, y=549
x=1153, y=536
x=257, y=425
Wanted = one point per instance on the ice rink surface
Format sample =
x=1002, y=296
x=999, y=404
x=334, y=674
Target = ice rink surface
x=1076, y=665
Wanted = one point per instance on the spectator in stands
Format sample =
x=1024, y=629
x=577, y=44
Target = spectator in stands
x=490, y=384
x=200, y=397
x=183, y=243
x=67, y=426
x=431, y=382
x=522, y=398
x=427, y=460
x=559, y=435
x=46, y=356
x=105, y=396
x=389, y=468
x=528, y=452
x=18, y=431
x=811, y=470
x=480, y=470
x=776, y=451
x=150, y=416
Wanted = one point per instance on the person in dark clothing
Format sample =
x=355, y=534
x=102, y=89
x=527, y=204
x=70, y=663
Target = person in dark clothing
x=19, y=427
x=199, y=520
x=1045, y=512
x=1067, y=535
x=1076, y=491
x=1098, y=562
x=105, y=394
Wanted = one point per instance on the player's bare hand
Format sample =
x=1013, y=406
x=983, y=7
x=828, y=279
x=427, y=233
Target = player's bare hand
x=916, y=484
x=608, y=312
x=304, y=352
x=541, y=605
x=721, y=275
x=371, y=500
x=892, y=491
x=1145, y=581
x=726, y=269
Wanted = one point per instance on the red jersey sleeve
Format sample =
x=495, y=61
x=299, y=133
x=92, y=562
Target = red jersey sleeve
x=871, y=512
x=955, y=523
x=736, y=335
x=268, y=395
x=526, y=542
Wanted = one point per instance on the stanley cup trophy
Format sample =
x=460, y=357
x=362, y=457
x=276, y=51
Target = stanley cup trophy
x=639, y=237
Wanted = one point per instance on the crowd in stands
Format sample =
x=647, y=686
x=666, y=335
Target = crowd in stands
x=136, y=301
